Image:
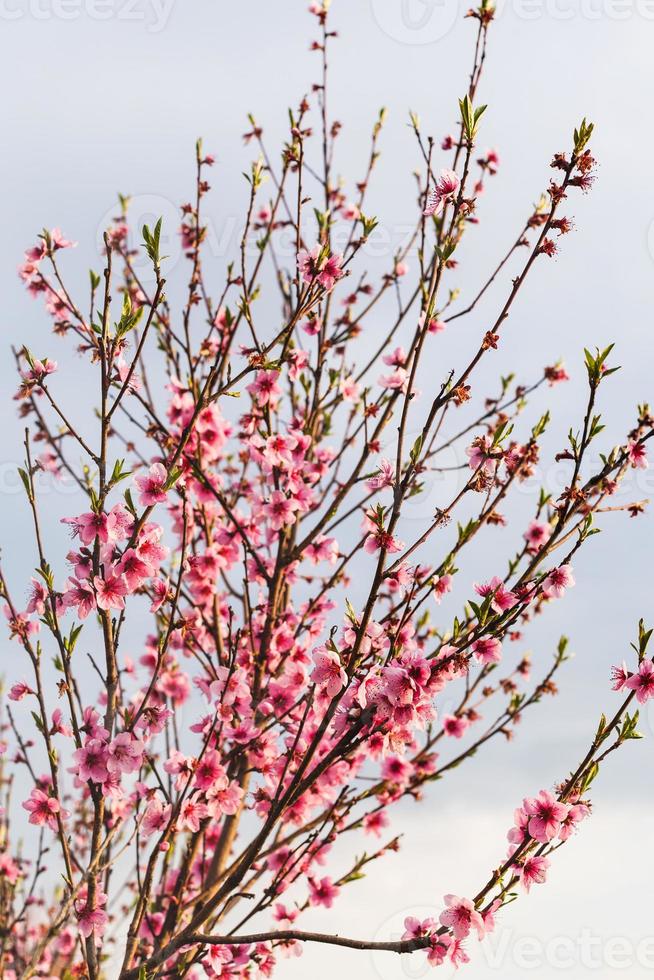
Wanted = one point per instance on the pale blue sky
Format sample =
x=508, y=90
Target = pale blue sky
x=95, y=106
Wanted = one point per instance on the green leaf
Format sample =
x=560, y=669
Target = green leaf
x=118, y=472
x=152, y=241
x=470, y=117
x=26, y=483
x=414, y=455
x=128, y=318
x=351, y=614
x=582, y=136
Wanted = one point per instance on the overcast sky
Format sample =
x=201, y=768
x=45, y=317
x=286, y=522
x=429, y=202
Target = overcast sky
x=104, y=96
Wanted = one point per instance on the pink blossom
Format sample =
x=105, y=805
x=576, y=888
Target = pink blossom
x=43, y=809
x=546, y=815
x=58, y=241
x=375, y=823
x=38, y=598
x=558, y=580
x=350, y=212
x=396, y=770
x=534, y=871
x=489, y=915
x=378, y=538
x=454, y=726
x=502, y=598
x=152, y=487
x=92, y=921
x=126, y=375
x=280, y=510
x=556, y=374
x=331, y=272
x=124, y=754
x=576, y=813
x=322, y=892
x=91, y=917
x=322, y=548
x=209, y=771
x=156, y=817
x=479, y=455
x=19, y=691
x=519, y=833
x=415, y=929
x=65, y=942
x=312, y=326
x=442, y=585
x=439, y=949
x=642, y=682
x=619, y=675
x=487, y=650
x=20, y=626
x=443, y=190
x=458, y=955
x=397, y=357
x=39, y=370
x=58, y=726
x=91, y=760
x=9, y=870
x=223, y=800
x=638, y=455
x=318, y=266
x=328, y=672
x=461, y=916
x=349, y=389
x=385, y=477
x=80, y=595
x=395, y=381
x=160, y=594
x=536, y=535
x=191, y=815
x=110, y=592
x=134, y=570
x=88, y=526
x=264, y=389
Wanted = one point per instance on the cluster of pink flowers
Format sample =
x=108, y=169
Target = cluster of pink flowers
x=544, y=819
x=641, y=681
x=445, y=937
x=127, y=560
x=305, y=664
x=318, y=266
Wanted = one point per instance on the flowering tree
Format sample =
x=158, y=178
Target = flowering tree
x=187, y=806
